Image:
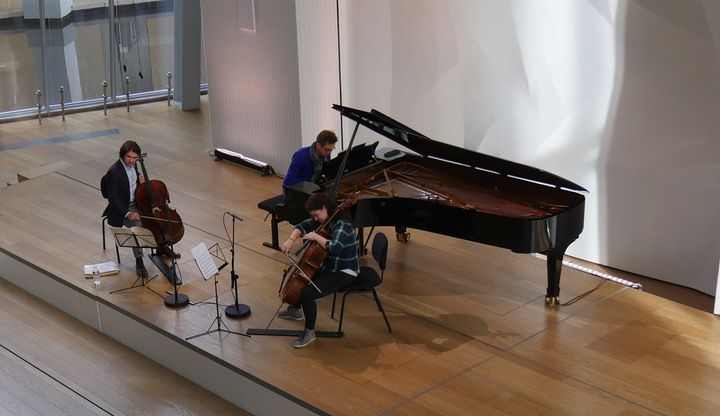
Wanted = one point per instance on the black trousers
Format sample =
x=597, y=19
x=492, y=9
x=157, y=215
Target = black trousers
x=328, y=283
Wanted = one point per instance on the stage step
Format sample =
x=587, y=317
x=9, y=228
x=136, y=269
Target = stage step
x=8, y=181
x=42, y=170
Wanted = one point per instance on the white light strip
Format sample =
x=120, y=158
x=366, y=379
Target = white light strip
x=245, y=158
x=530, y=180
x=602, y=275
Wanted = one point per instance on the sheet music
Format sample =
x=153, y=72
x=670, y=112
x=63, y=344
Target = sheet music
x=105, y=268
x=204, y=261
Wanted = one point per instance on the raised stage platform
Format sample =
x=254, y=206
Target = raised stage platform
x=471, y=332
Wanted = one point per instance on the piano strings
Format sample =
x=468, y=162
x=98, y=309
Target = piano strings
x=407, y=174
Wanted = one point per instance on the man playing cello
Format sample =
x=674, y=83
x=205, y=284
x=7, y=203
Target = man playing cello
x=121, y=181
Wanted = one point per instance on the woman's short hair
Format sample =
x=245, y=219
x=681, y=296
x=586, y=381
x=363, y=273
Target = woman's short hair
x=320, y=200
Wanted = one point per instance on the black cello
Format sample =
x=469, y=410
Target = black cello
x=152, y=198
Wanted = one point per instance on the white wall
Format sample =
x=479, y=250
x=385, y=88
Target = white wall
x=318, y=67
x=659, y=164
x=523, y=80
x=621, y=97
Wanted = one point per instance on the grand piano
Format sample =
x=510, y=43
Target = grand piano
x=451, y=191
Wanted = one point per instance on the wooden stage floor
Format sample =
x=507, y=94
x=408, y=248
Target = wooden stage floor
x=471, y=333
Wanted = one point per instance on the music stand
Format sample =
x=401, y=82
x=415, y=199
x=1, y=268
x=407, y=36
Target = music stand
x=135, y=237
x=209, y=269
x=217, y=254
x=173, y=274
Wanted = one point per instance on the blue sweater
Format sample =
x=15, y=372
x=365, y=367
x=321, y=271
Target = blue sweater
x=301, y=167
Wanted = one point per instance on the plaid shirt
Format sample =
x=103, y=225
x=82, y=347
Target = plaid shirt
x=342, y=246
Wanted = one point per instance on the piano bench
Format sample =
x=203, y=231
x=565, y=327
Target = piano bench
x=271, y=206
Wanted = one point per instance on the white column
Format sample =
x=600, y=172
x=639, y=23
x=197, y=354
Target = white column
x=54, y=9
x=186, y=76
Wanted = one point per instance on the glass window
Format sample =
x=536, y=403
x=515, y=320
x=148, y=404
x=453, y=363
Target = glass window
x=77, y=47
x=144, y=33
x=20, y=58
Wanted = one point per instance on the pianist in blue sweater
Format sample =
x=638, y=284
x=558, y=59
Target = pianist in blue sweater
x=307, y=162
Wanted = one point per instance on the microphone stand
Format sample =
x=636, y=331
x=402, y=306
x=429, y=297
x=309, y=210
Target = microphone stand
x=238, y=310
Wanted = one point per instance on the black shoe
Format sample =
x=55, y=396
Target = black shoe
x=140, y=268
x=165, y=251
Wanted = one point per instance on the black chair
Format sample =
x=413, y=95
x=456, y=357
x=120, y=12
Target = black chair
x=104, y=224
x=367, y=280
x=104, y=220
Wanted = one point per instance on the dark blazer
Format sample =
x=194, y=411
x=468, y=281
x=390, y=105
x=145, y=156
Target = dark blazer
x=118, y=192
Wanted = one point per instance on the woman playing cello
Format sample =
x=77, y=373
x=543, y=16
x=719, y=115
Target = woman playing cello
x=339, y=268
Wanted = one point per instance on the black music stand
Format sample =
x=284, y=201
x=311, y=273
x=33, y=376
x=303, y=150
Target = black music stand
x=135, y=237
x=208, y=268
x=236, y=310
x=173, y=274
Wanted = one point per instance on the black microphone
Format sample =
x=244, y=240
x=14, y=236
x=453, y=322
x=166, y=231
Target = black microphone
x=237, y=217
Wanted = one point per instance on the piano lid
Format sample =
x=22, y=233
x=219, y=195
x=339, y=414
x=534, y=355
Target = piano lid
x=425, y=146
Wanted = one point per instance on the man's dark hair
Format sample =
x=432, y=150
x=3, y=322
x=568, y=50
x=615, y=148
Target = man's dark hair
x=325, y=137
x=320, y=200
x=129, y=146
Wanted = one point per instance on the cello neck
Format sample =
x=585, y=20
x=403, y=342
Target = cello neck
x=148, y=187
x=324, y=225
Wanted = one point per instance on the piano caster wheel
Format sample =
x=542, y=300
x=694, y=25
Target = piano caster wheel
x=552, y=301
x=402, y=237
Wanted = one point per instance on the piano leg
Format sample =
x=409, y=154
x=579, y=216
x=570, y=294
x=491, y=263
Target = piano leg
x=401, y=234
x=274, y=232
x=362, y=245
x=363, y=241
x=554, y=268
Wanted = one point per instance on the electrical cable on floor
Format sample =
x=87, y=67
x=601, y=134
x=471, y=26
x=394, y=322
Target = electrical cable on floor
x=582, y=295
x=604, y=276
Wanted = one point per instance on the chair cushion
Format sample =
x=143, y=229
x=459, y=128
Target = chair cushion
x=367, y=279
x=270, y=204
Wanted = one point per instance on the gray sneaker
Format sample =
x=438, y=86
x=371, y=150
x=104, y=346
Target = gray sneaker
x=307, y=337
x=291, y=313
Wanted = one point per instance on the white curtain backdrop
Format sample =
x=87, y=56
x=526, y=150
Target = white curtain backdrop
x=619, y=96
